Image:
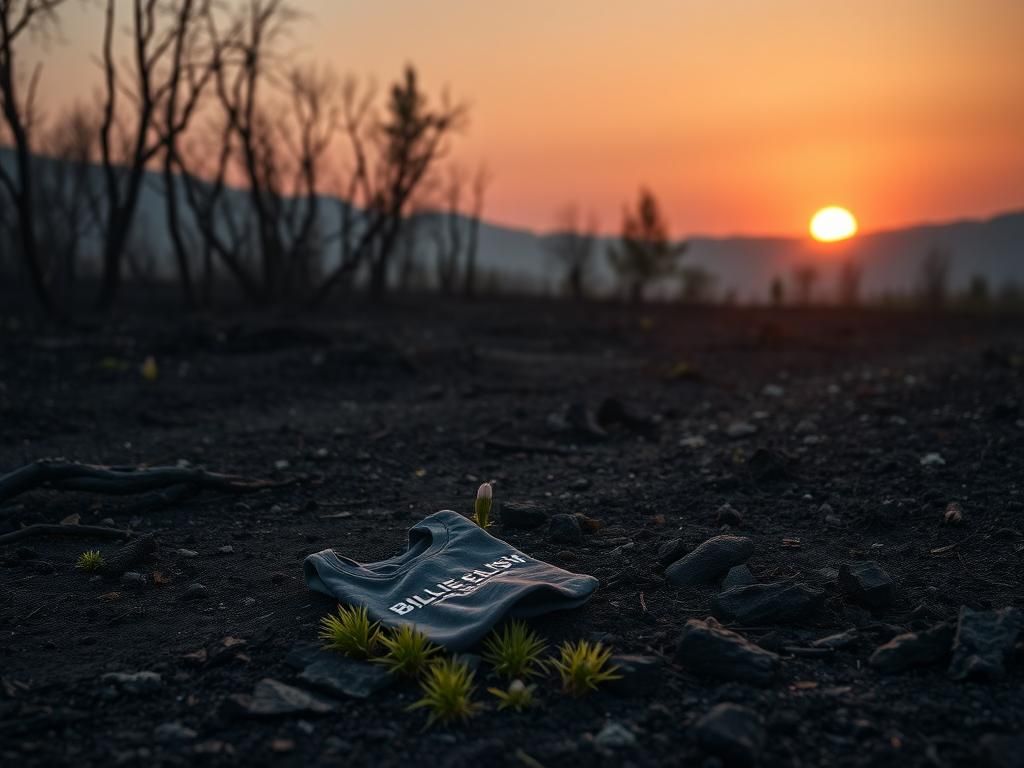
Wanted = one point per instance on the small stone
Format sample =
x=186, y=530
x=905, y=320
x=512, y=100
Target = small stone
x=227, y=549
x=107, y=522
x=133, y=580
x=806, y=427
x=740, y=429
x=522, y=515
x=615, y=736
x=282, y=464
x=565, y=529
x=775, y=603
x=693, y=442
x=194, y=592
x=579, y=484
x=773, y=390
x=187, y=553
x=707, y=649
x=710, y=560
x=638, y=675
x=248, y=602
x=933, y=460
x=867, y=583
x=733, y=733
x=171, y=732
x=913, y=649
x=837, y=641
x=340, y=675
x=954, y=514
x=726, y=515
x=671, y=551
x=738, y=576
x=984, y=641
x=134, y=682
x=271, y=698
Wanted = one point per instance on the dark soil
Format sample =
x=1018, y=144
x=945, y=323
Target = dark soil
x=389, y=415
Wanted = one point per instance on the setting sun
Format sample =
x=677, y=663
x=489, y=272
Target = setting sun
x=833, y=223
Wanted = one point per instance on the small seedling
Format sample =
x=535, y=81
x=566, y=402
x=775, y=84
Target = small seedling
x=447, y=692
x=583, y=666
x=514, y=651
x=90, y=561
x=482, y=507
x=350, y=632
x=519, y=696
x=408, y=651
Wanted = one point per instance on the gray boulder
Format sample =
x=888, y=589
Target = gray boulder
x=983, y=642
x=710, y=561
x=867, y=583
x=708, y=650
x=775, y=603
x=913, y=649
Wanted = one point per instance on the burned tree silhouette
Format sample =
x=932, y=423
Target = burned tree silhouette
x=572, y=247
x=849, y=283
x=645, y=254
x=805, y=277
x=934, y=277
x=19, y=19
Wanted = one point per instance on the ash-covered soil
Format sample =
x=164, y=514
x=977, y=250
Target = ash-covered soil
x=835, y=437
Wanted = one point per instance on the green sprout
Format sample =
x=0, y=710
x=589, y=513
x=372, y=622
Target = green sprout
x=91, y=561
x=583, y=666
x=482, y=506
x=350, y=632
x=408, y=651
x=515, y=651
x=519, y=696
x=447, y=692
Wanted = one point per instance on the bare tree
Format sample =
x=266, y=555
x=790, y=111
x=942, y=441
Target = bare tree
x=481, y=180
x=778, y=291
x=447, y=234
x=934, y=277
x=18, y=19
x=805, y=277
x=848, y=289
x=646, y=253
x=572, y=247
x=697, y=285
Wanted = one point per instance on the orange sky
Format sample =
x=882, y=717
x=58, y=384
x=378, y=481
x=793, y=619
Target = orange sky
x=743, y=116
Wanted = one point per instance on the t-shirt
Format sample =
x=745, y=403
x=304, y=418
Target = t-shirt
x=454, y=582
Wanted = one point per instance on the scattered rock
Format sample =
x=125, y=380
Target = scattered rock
x=187, y=553
x=726, y=515
x=914, y=649
x=565, y=529
x=523, y=515
x=671, y=551
x=740, y=429
x=171, y=732
x=983, y=642
x=227, y=549
x=638, y=675
x=341, y=675
x=867, y=583
x=133, y=580
x=933, y=460
x=195, y=592
x=775, y=603
x=615, y=736
x=710, y=561
x=806, y=427
x=733, y=733
x=693, y=442
x=134, y=682
x=738, y=576
x=579, y=484
x=773, y=390
x=271, y=698
x=954, y=514
x=837, y=641
x=707, y=649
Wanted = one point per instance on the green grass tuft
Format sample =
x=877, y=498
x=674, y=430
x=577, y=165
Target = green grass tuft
x=407, y=651
x=91, y=561
x=350, y=632
x=514, y=651
x=583, y=666
x=447, y=693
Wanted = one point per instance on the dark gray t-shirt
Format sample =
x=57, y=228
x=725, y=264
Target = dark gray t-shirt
x=454, y=582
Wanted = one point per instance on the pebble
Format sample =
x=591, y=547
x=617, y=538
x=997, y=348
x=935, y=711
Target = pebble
x=195, y=592
x=134, y=682
x=565, y=529
x=171, y=732
x=727, y=515
x=271, y=698
x=738, y=576
x=837, y=641
x=709, y=650
x=710, y=561
x=615, y=736
x=523, y=515
x=933, y=460
x=733, y=733
x=984, y=641
x=775, y=603
x=867, y=583
x=227, y=549
x=913, y=649
x=693, y=442
x=187, y=553
x=133, y=579
x=740, y=429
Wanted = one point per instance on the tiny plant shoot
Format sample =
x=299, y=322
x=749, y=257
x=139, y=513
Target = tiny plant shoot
x=447, y=693
x=519, y=696
x=583, y=666
x=514, y=651
x=482, y=507
x=407, y=651
x=350, y=632
x=90, y=561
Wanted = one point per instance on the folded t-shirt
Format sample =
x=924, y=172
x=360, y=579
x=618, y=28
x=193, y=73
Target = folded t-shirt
x=454, y=582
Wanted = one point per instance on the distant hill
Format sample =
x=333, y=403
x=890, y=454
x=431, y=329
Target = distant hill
x=743, y=266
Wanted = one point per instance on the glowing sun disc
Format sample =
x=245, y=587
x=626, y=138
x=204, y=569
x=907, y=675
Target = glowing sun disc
x=833, y=223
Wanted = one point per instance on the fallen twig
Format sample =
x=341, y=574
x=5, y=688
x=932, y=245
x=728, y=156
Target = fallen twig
x=41, y=529
x=71, y=476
